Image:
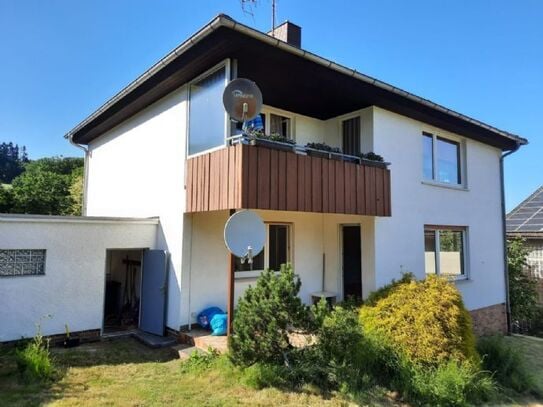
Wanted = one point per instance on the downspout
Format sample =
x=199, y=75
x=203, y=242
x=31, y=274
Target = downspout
x=504, y=231
x=85, y=173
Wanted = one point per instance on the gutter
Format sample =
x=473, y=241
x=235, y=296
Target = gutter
x=85, y=173
x=504, y=231
x=223, y=20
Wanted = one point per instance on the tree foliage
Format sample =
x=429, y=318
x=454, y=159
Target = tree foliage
x=48, y=186
x=522, y=286
x=12, y=160
x=263, y=316
x=426, y=321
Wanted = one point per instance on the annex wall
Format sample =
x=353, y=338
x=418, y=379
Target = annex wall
x=138, y=169
x=73, y=287
x=416, y=203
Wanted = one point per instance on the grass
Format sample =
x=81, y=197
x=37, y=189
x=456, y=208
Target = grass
x=126, y=373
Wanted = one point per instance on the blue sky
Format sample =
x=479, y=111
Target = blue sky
x=61, y=59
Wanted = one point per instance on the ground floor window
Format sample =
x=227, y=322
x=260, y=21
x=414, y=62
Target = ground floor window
x=276, y=250
x=22, y=263
x=444, y=251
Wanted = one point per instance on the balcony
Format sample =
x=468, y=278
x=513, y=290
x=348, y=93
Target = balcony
x=262, y=177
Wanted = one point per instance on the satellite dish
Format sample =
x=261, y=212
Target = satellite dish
x=245, y=234
x=242, y=99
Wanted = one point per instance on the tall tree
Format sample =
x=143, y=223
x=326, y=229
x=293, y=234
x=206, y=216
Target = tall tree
x=45, y=187
x=12, y=161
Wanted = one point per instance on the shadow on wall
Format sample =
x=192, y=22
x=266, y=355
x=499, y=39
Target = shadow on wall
x=173, y=292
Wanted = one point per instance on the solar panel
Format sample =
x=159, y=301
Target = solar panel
x=528, y=216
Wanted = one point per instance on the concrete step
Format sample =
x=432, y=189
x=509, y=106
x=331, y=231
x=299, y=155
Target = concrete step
x=203, y=340
x=155, y=341
x=185, y=351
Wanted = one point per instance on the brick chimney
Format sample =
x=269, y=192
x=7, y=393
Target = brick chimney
x=288, y=32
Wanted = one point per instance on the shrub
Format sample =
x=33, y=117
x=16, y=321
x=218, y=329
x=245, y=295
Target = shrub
x=259, y=376
x=522, y=287
x=449, y=384
x=425, y=321
x=339, y=342
x=34, y=360
x=199, y=361
x=506, y=364
x=387, y=289
x=263, y=316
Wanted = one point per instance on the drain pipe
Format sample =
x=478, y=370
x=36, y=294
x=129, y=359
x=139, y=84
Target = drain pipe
x=85, y=172
x=504, y=230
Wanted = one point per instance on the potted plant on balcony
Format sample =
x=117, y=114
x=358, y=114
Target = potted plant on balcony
x=372, y=159
x=323, y=150
x=275, y=141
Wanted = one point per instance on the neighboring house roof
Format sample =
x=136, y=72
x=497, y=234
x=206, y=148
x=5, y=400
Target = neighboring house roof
x=289, y=77
x=527, y=218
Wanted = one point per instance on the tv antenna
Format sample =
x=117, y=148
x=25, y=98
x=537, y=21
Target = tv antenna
x=247, y=7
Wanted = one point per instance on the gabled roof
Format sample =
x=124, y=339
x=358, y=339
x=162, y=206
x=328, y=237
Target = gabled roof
x=527, y=218
x=290, y=78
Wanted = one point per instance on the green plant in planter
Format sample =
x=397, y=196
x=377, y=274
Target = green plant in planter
x=259, y=134
x=371, y=156
x=323, y=147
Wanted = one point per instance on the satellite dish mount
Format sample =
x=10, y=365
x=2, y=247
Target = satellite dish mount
x=244, y=235
x=242, y=99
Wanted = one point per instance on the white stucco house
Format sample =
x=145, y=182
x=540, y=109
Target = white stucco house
x=165, y=167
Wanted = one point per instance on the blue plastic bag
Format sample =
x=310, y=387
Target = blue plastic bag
x=219, y=324
x=204, y=318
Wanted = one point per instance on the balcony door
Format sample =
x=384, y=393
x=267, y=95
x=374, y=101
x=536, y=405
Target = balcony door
x=352, y=261
x=350, y=130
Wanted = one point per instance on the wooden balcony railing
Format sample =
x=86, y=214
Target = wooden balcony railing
x=257, y=177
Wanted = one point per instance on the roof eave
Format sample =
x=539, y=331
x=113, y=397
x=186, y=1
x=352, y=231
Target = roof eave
x=223, y=20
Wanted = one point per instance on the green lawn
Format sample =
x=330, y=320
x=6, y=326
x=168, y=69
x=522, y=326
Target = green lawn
x=125, y=373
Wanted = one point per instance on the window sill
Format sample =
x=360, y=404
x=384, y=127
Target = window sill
x=444, y=185
x=453, y=279
x=249, y=275
x=459, y=279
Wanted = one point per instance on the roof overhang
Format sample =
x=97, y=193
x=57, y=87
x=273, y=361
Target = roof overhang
x=289, y=77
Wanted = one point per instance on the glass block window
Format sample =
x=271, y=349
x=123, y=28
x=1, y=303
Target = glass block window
x=22, y=263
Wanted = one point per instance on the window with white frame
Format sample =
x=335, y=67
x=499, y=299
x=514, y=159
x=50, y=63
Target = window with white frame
x=207, y=117
x=444, y=251
x=22, y=262
x=280, y=125
x=276, y=250
x=441, y=159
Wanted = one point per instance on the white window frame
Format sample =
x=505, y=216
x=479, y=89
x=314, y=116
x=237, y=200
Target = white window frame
x=461, y=164
x=269, y=110
x=465, y=249
x=290, y=234
x=227, y=65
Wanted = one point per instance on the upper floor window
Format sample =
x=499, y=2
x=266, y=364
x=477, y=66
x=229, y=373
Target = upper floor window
x=444, y=251
x=207, y=117
x=280, y=125
x=350, y=129
x=275, y=253
x=441, y=159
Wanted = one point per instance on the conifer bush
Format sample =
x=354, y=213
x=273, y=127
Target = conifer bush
x=264, y=316
x=425, y=321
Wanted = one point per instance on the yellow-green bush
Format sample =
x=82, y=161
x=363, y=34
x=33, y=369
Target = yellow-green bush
x=425, y=321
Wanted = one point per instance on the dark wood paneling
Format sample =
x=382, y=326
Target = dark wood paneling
x=256, y=177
